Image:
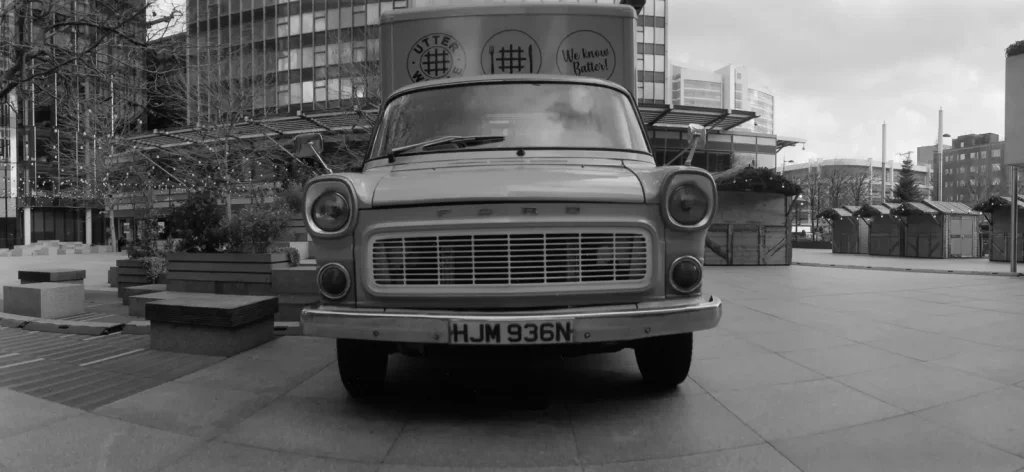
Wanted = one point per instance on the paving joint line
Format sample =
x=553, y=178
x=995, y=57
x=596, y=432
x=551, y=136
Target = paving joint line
x=115, y=356
x=897, y=269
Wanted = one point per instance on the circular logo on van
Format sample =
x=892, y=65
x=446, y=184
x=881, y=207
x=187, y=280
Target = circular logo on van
x=436, y=56
x=511, y=52
x=586, y=53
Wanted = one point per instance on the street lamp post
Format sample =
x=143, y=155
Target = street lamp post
x=784, y=165
x=939, y=152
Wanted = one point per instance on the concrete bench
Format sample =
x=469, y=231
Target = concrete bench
x=137, y=303
x=218, y=325
x=45, y=299
x=66, y=276
x=134, y=290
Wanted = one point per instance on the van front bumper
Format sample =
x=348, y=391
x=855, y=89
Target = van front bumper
x=618, y=323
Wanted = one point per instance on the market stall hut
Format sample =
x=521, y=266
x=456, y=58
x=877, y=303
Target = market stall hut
x=754, y=219
x=998, y=210
x=849, y=233
x=939, y=230
x=885, y=231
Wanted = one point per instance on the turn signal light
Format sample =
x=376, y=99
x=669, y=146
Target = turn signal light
x=686, y=274
x=334, y=281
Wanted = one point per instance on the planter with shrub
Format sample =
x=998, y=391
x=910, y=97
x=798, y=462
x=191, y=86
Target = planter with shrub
x=217, y=253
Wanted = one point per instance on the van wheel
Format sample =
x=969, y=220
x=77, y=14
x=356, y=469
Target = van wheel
x=363, y=366
x=664, y=361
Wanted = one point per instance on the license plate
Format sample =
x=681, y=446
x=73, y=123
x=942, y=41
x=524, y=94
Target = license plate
x=510, y=333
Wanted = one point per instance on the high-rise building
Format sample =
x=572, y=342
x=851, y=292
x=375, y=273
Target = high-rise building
x=730, y=87
x=973, y=169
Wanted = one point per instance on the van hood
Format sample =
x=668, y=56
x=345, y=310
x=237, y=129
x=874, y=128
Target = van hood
x=508, y=183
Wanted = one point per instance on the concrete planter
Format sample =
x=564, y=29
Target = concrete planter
x=129, y=273
x=222, y=273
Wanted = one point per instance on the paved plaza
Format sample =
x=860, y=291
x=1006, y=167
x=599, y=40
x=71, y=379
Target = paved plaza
x=811, y=369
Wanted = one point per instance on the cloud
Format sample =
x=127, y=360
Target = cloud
x=840, y=68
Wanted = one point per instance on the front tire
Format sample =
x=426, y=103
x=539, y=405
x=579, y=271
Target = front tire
x=664, y=361
x=363, y=366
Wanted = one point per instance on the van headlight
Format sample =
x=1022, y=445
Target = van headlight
x=331, y=212
x=688, y=204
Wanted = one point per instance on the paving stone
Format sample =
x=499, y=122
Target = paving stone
x=90, y=442
x=904, y=443
x=674, y=425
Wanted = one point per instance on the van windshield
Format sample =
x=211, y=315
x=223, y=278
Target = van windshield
x=526, y=115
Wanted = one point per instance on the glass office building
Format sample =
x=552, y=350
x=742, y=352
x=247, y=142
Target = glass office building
x=728, y=87
x=281, y=56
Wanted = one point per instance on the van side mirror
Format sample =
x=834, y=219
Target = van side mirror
x=309, y=145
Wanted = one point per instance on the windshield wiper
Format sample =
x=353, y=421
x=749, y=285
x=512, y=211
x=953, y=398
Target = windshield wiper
x=460, y=141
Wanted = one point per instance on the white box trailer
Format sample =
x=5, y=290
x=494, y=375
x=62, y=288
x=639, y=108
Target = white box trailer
x=421, y=44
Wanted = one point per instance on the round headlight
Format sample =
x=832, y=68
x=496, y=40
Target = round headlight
x=688, y=205
x=331, y=212
x=686, y=274
x=333, y=280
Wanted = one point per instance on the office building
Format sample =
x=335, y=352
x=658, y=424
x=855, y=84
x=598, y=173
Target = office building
x=973, y=169
x=926, y=155
x=843, y=171
x=49, y=127
x=730, y=87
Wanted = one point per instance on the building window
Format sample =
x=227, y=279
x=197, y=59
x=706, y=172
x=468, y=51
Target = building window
x=307, y=92
x=320, y=21
x=997, y=153
x=321, y=90
x=996, y=167
x=282, y=95
x=997, y=181
x=974, y=169
x=974, y=155
x=320, y=55
x=983, y=154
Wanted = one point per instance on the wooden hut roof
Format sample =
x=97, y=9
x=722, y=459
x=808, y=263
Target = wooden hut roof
x=997, y=203
x=835, y=213
x=914, y=208
x=871, y=211
x=750, y=179
x=950, y=208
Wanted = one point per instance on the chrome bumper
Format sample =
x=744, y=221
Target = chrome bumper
x=590, y=324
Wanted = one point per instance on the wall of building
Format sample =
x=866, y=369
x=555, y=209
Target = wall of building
x=1015, y=106
x=973, y=169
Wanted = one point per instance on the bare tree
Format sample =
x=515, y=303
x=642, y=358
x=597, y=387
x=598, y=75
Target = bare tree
x=816, y=191
x=40, y=38
x=858, y=189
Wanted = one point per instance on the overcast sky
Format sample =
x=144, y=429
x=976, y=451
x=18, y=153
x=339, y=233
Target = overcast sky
x=839, y=68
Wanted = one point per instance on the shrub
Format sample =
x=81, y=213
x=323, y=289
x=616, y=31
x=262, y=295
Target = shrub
x=198, y=223
x=155, y=267
x=255, y=227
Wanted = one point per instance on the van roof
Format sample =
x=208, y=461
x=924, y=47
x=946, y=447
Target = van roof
x=505, y=78
x=596, y=9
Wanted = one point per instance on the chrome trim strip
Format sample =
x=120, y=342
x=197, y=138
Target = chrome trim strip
x=601, y=324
